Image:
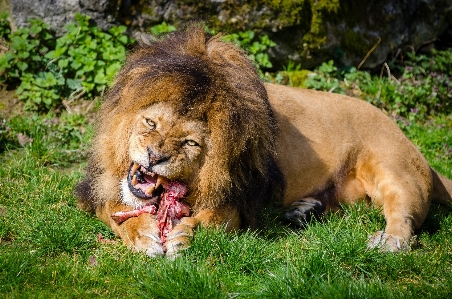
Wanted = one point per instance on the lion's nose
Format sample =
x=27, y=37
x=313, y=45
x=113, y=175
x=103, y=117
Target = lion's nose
x=155, y=158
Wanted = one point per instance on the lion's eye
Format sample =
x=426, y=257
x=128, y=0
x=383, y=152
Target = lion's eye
x=152, y=125
x=191, y=143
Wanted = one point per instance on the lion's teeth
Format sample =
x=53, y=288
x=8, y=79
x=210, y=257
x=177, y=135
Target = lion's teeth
x=160, y=181
x=134, y=180
x=150, y=190
x=135, y=168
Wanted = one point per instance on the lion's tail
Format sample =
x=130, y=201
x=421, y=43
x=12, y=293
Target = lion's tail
x=442, y=189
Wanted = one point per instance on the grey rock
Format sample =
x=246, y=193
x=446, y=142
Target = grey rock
x=351, y=32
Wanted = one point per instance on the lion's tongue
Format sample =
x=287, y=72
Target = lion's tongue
x=149, y=186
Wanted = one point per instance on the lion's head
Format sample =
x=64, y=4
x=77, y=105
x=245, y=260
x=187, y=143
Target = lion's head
x=188, y=108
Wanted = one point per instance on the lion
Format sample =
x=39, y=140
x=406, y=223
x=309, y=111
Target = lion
x=189, y=135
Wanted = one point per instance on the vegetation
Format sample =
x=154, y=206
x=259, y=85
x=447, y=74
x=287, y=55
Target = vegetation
x=51, y=249
x=48, y=69
x=423, y=87
x=255, y=46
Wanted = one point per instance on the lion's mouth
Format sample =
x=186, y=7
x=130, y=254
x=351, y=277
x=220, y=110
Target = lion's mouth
x=144, y=184
x=163, y=195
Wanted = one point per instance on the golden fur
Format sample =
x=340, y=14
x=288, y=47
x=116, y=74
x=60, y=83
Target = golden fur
x=194, y=109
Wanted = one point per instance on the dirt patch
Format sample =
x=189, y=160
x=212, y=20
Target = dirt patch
x=9, y=104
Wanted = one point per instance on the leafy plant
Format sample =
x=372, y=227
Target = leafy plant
x=81, y=62
x=5, y=28
x=27, y=47
x=423, y=88
x=162, y=28
x=324, y=78
x=256, y=46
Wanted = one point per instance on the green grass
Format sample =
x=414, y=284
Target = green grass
x=51, y=249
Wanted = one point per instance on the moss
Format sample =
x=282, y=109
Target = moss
x=320, y=10
x=295, y=78
x=148, y=10
x=357, y=43
x=260, y=15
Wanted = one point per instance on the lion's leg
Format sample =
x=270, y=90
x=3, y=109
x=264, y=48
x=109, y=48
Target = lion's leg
x=139, y=233
x=181, y=235
x=405, y=201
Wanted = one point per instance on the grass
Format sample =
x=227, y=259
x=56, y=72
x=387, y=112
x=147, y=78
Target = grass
x=51, y=249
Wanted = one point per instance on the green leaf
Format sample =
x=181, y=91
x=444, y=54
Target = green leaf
x=123, y=39
x=47, y=100
x=22, y=65
x=60, y=51
x=112, y=69
x=23, y=54
x=51, y=55
x=63, y=63
x=73, y=84
x=100, y=78
x=76, y=65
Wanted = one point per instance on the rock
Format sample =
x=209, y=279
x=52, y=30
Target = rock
x=307, y=32
x=58, y=13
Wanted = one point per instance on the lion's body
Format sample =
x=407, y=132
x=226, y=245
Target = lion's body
x=192, y=109
x=338, y=149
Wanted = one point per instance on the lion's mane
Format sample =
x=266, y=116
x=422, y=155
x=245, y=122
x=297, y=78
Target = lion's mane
x=220, y=86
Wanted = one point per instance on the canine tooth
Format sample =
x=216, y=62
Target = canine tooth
x=135, y=168
x=160, y=181
x=150, y=190
x=134, y=180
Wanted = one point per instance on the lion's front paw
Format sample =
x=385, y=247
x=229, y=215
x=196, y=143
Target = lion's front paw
x=389, y=242
x=142, y=234
x=178, y=239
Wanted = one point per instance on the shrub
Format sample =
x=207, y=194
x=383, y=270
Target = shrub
x=422, y=89
x=255, y=46
x=49, y=69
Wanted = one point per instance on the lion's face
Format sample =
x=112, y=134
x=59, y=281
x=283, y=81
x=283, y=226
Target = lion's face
x=163, y=145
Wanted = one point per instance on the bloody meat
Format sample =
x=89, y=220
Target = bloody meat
x=170, y=210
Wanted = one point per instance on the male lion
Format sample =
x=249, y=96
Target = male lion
x=189, y=132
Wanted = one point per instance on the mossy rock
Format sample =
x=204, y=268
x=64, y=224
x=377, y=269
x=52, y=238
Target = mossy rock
x=295, y=78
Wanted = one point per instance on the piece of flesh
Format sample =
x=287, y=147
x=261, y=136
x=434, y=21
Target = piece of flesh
x=169, y=211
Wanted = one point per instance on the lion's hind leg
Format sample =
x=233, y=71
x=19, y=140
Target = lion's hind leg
x=404, y=195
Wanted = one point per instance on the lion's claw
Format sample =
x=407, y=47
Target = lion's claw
x=142, y=234
x=178, y=239
x=389, y=243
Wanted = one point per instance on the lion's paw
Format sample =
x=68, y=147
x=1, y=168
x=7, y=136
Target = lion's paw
x=142, y=234
x=390, y=243
x=178, y=239
x=301, y=212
